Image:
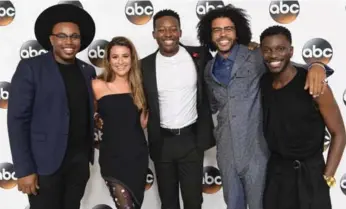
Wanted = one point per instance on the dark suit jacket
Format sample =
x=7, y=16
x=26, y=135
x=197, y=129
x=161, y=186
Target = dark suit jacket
x=205, y=138
x=38, y=115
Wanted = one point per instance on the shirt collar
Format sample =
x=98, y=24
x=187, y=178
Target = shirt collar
x=231, y=56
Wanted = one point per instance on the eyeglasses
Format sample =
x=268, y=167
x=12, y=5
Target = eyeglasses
x=218, y=30
x=64, y=37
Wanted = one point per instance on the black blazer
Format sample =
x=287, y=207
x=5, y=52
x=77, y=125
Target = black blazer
x=205, y=138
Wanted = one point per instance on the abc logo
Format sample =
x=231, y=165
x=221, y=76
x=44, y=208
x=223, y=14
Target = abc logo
x=317, y=49
x=7, y=176
x=96, y=52
x=31, y=49
x=284, y=11
x=211, y=180
x=76, y=3
x=7, y=12
x=204, y=6
x=343, y=184
x=150, y=179
x=327, y=137
x=102, y=206
x=139, y=12
x=4, y=94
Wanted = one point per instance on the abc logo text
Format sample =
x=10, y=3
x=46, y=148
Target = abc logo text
x=7, y=176
x=31, y=49
x=96, y=52
x=139, y=12
x=7, y=12
x=149, y=179
x=212, y=182
x=204, y=6
x=284, y=11
x=317, y=49
x=4, y=94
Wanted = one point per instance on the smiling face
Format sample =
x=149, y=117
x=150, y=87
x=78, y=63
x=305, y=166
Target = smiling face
x=223, y=34
x=277, y=52
x=120, y=60
x=65, y=48
x=167, y=34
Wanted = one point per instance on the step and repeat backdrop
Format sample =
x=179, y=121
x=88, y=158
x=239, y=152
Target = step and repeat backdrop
x=317, y=29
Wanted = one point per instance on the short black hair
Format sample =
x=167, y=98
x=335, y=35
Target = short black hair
x=166, y=12
x=276, y=30
x=236, y=15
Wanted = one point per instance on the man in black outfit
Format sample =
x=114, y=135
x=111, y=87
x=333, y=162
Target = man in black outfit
x=180, y=123
x=294, y=127
x=50, y=112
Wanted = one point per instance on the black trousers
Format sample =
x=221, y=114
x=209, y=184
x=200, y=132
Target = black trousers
x=296, y=184
x=181, y=163
x=65, y=188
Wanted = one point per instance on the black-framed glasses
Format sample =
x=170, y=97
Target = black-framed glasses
x=218, y=30
x=63, y=36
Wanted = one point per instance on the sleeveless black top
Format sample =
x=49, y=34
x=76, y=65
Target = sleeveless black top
x=293, y=125
x=294, y=130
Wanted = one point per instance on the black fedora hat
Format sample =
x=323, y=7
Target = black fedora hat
x=64, y=13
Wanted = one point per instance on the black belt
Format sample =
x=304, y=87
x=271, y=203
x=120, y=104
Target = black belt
x=302, y=170
x=179, y=131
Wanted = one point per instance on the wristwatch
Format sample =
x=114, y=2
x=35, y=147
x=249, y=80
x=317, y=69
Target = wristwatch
x=330, y=180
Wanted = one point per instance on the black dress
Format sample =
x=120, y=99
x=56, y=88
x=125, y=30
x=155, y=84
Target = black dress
x=294, y=130
x=123, y=150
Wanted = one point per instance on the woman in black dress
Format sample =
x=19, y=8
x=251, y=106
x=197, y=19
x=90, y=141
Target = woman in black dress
x=294, y=127
x=121, y=106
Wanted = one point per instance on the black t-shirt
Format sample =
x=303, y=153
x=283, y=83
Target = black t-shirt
x=78, y=103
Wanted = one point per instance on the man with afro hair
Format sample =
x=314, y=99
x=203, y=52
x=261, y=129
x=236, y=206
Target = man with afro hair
x=232, y=78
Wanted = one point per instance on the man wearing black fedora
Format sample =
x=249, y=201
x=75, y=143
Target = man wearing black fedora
x=50, y=112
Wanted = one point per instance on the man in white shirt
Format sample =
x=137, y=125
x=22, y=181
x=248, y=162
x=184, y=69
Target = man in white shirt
x=180, y=125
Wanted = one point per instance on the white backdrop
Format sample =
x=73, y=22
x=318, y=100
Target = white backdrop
x=313, y=23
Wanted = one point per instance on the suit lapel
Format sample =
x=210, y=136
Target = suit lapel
x=152, y=81
x=56, y=79
x=87, y=78
x=210, y=68
x=240, y=59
